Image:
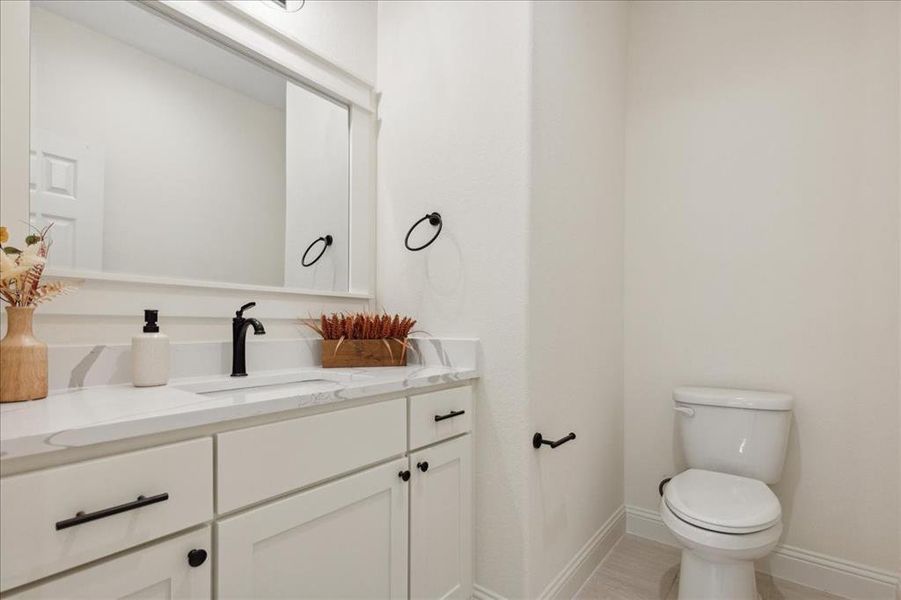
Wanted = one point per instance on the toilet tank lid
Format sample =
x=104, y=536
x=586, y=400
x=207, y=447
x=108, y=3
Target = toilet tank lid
x=733, y=398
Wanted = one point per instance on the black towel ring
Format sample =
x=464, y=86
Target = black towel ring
x=434, y=220
x=327, y=239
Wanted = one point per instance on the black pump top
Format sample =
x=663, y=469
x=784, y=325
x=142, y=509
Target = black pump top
x=150, y=317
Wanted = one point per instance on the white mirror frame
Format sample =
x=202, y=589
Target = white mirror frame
x=232, y=25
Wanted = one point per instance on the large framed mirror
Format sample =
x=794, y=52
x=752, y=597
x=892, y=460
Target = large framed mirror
x=161, y=154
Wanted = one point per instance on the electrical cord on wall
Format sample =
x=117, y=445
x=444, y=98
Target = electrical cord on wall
x=662, y=485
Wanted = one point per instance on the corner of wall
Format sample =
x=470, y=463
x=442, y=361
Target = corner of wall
x=14, y=102
x=575, y=287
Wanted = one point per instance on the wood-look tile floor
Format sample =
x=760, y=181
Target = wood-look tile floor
x=639, y=569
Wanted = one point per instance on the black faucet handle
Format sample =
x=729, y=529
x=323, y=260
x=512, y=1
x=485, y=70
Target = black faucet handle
x=240, y=311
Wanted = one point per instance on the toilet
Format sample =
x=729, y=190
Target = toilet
x=721, y=509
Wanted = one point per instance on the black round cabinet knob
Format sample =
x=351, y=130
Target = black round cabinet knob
x=196, y=557
x=405, y=475
x=423, y=466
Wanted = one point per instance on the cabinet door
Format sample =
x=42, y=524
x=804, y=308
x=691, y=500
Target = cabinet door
x=441, y=521
x=160, y=571
x=344, y=539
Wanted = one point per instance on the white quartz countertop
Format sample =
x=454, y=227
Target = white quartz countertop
x=73, y=419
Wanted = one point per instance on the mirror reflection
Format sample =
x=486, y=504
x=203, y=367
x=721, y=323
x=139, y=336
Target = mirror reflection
x=157, y=152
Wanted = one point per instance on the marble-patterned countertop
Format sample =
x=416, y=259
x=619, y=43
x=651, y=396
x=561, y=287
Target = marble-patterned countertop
x=72, y=419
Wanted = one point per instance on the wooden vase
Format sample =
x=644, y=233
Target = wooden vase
x=23, y=359
x=363, y=353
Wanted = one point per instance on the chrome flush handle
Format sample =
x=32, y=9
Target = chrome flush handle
x=685, y=410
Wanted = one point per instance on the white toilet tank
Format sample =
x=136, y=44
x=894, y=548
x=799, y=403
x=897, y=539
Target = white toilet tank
x=741, y=432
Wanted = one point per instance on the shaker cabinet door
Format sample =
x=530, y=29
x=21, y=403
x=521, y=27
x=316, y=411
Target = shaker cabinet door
x=344, y=539
x=441, y=520
x=178, y=568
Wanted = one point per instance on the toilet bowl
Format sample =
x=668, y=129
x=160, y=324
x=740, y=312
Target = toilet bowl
x=721, y=509
x=723, y=523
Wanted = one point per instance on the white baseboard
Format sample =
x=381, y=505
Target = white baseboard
x=647, y=524
x=812, y=569
x=580, y=567
x=585, y=561
x=482, y=593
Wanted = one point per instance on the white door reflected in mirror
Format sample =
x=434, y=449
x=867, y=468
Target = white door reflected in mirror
x=66, y=188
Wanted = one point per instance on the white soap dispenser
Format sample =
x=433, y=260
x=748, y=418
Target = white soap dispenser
x=150, y=354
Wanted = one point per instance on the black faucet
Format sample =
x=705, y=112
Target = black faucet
x=239, y=336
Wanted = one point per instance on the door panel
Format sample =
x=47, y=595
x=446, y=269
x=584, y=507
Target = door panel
x=441, y=521
x=66, y=183
x=345, y=539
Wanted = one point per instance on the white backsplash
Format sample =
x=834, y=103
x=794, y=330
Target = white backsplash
x=80, y=366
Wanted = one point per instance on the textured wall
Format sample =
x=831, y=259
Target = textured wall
x=762, y=246
x=508, y=119
x=576, y=275
x=454, y=79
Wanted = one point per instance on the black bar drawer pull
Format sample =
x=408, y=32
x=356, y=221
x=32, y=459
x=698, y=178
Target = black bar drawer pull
x=83, y=517
x=450, y=415
x=538, y=440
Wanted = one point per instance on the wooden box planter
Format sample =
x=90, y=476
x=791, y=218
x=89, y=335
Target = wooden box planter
x=363, y=353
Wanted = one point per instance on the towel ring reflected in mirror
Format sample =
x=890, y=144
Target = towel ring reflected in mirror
x=326, y=242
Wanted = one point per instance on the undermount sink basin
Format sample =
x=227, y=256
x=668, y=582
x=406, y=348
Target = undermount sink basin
x=274, y=390
x=270, y=380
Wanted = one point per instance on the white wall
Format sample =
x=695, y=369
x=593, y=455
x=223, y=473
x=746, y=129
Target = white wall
x=576, y=275
x=454, y=79
x=189, y=163
x=762, y=234
x=14, y=76
x=507, y=118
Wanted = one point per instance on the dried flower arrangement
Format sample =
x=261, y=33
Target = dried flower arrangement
x=21, y=270
x=362, y=326
x=363, y=339
x=23, y=358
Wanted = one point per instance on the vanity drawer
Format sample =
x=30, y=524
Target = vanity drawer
x=261, y=462
x=40, y=534
x=439, y=415
x=161, y=570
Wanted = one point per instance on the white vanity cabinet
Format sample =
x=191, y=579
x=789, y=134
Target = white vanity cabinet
x=368, y=501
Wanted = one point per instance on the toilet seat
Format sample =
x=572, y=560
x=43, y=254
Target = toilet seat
x=721, y=502
x=716, y=545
